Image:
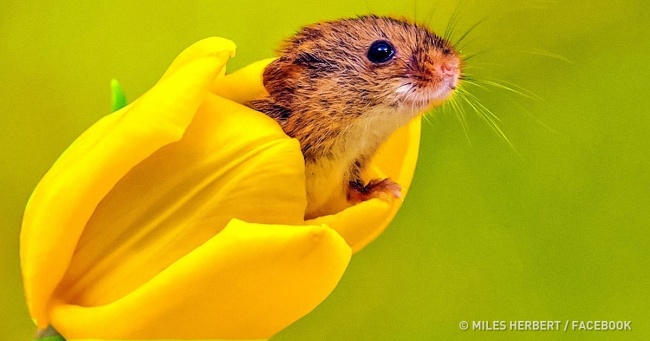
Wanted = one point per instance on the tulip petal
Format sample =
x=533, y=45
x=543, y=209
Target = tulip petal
x=231, y=162
x=396, y=159
x=67, y=195
x=208, y=47
x=247, y=282
x=243, y=85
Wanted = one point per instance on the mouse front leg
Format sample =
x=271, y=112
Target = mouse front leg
x=359, y=191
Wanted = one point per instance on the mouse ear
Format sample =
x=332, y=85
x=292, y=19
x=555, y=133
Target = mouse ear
x=280, y=80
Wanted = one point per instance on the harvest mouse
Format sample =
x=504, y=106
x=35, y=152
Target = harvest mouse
x=343, y=87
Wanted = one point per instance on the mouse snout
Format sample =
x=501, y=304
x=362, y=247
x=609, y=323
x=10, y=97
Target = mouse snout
x=450, y=73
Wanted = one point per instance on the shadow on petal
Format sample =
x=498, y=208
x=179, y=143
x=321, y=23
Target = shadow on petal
x=232, y=162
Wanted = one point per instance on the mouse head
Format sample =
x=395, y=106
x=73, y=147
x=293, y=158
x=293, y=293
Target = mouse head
x=364, y=63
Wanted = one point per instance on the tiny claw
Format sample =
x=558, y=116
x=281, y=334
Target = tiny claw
x=385, y=189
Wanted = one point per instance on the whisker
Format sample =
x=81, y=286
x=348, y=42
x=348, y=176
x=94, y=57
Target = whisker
x=458, y=41
x=473, y=82
x=549, y=54
x=535, y=118
x=460, y=115
x=512, y=88
x=470, y=56
x=429, y=17
x=488, y=116
x=477, y=101
x=503, y=85
x=415, y=11
x=426, y=118
x=451, y=24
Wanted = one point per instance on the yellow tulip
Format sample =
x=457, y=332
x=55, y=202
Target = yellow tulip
x=181, y=216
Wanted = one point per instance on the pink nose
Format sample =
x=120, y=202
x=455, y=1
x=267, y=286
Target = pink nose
x=450, y=73
x=449, y=69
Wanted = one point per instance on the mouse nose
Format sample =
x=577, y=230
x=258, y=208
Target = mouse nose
x=450, y=73
x=449, y=69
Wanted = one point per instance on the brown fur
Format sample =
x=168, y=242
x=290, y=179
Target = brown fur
x=340, y=106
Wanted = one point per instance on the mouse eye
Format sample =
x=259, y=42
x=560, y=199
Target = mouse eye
x=380, y=51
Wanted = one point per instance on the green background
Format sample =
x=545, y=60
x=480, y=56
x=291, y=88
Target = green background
x=556, y=230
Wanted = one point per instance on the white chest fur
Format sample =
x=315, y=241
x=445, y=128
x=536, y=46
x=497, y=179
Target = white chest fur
x=328, y=177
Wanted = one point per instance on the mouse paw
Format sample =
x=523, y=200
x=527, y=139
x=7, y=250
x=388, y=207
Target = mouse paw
x=385, y=189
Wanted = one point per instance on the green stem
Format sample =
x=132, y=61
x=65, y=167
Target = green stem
x=48, y=334
x=118, y=99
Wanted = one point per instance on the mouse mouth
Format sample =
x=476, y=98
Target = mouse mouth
x=422, y=99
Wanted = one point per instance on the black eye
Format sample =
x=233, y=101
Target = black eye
x=380, y=51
